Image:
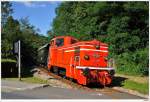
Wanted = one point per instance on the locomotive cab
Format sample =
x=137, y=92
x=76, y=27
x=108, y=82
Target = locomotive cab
x=63, y=41
x=84, y=61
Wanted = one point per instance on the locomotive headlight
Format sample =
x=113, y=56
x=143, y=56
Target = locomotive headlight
x=97, y=46
x=86, y=57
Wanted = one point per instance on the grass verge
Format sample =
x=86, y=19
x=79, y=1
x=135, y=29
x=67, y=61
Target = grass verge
x=137, y=83
x=140, y=87
x=8, y=60
x=29, y=80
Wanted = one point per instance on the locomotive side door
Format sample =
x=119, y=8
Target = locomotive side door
x=76, y=61
x=59, y=44
x=54, y=53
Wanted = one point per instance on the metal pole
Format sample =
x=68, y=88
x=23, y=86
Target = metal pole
x=19, y=61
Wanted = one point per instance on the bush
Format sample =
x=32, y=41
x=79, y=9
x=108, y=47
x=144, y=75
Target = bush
x=135, y=63
x=9, y=68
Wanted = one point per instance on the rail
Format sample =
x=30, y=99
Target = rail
x=105, y=90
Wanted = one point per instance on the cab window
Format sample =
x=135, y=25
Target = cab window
x=59, y=42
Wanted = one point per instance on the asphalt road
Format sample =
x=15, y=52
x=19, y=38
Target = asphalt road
x=61, y=93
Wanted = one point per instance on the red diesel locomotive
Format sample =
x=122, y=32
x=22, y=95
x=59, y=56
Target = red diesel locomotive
x=84, y=61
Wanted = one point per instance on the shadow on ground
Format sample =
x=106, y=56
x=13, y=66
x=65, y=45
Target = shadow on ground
x=118, y=81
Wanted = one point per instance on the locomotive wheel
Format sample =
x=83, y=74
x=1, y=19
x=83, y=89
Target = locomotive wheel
x=55, y=70
x=71, y=79
x=64, y=77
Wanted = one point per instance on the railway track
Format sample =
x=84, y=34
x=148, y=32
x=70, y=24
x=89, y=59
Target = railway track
x=106, y=90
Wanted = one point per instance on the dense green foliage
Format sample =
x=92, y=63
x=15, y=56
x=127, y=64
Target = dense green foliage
x=14, y=30
x=133, y=63
x=123, y=25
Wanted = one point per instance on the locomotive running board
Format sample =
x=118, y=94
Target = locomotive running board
x=98, y=68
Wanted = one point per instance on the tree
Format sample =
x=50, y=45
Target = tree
x=11, y=33
x=50, y=34
x=27, y=27
x=13, y=30
x=119, y=36
x=123, y=25
x=6, y=11
x=31, y=42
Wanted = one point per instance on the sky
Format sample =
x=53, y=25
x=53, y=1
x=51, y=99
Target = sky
x=40, y=14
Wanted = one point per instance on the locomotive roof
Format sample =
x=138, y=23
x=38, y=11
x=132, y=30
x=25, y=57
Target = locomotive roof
x=63, y=37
